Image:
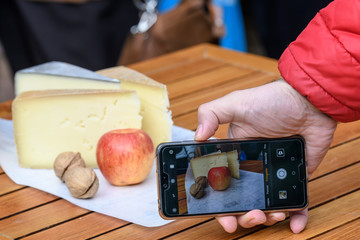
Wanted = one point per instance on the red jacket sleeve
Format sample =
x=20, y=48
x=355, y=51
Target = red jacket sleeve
x=323, y=63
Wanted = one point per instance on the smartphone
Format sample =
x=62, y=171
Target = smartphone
x=232, y=176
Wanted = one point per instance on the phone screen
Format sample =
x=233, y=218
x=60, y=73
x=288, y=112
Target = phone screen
x=232, y=176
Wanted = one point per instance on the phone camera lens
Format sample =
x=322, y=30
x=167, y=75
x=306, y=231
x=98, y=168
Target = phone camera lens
x=165, y=185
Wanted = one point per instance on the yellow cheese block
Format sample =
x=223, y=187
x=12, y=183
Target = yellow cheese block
x=59, y=75
x=233, y=162
x=154, y=99
x=47, y=123
x=201, y=166
x=153, y=95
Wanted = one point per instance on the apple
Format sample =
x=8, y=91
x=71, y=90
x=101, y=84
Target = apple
x=219, y=178
x=125, y=156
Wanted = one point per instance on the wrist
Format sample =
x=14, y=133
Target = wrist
x=308, y=106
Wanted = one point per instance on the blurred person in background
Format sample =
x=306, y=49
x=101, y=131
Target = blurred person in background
x=87, y=33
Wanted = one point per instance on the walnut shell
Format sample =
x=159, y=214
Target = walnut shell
x=66, y=161
x=202, y=180
x=197, y=191
x=81, y=182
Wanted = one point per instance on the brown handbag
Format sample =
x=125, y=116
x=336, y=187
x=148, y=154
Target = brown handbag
x=190, y=23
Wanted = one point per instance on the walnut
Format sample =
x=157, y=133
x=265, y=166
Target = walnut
x=202, y=180
x=66, y=161
x=81, y=182
x=197, y=191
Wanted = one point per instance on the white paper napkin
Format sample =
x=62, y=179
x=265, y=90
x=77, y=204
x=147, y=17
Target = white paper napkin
x=245, y=193
x=137, y=203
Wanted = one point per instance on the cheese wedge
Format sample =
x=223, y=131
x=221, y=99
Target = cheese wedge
x=232, y=158
x=59, y=75
x=154, y=99
x=200, y=166
x=47, y=123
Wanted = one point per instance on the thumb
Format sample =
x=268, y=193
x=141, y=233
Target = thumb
x=212, y=114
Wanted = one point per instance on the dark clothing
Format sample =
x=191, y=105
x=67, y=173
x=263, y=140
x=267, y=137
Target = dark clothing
x=279, y=22
x=89, y=34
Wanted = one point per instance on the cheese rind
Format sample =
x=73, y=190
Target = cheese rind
x=59, y=75
x=154, y=99
x=233, y=162
x=47, y=123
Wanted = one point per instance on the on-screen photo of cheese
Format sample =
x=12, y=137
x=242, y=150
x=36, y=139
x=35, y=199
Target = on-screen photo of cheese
x=223, y=178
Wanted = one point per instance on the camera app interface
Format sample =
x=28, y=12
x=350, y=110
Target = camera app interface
x=232, y=177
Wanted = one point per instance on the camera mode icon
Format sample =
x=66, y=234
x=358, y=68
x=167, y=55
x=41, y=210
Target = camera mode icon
x=280, y=152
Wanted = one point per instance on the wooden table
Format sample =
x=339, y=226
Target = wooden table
x=194, y=76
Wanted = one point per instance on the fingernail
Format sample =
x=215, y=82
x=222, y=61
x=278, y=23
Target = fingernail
x=198, y=132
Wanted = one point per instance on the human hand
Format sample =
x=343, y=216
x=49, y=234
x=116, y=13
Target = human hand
x=269, y=111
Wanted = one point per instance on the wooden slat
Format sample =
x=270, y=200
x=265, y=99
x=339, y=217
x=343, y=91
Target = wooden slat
x=187, y=69
x=336, y=184
x=191, y=102
x=5, y=110
x=181, y=194
x=222, y=131
x=210, y=230
x=252, y=166
x=181, y=182
x=207, y=79
x=188, y=120
x=183, y=206
x=170, y=60
x=338, y=157
x=321, y=219
x=348, y=231
x=345, y=132
x=248, y=60
x=80, y=228
x=39, y=218
x=134, y=231
x=22, y=200
x=7, y=185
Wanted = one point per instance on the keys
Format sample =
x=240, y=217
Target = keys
x=148, y=15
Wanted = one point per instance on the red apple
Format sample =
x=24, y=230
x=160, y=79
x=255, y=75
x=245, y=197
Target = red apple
x=125, y=156
x=219, y=178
